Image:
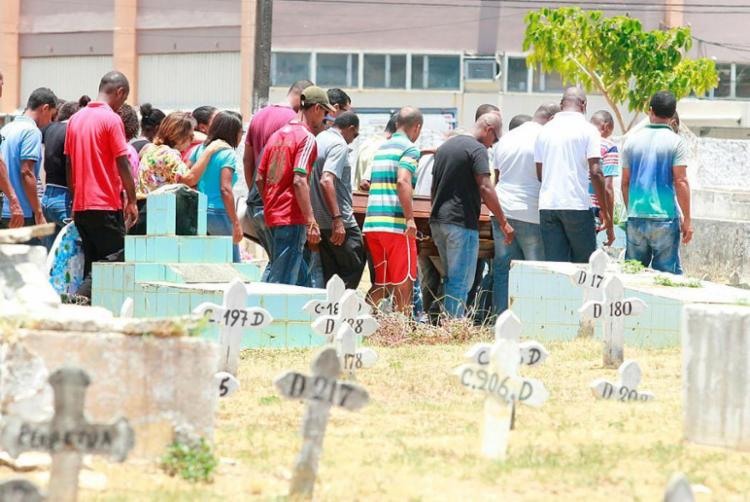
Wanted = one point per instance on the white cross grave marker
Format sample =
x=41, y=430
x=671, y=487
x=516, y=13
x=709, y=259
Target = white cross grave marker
x=626, y=388
x=612, y=311
x=335, y=289
x=679, y=489
x=508, y=326
x=321, y=390
x=126, y=311
x=233, y=317
x=592, y=282
x=351, y=311
x=20, y=490
x=498, y=378
x=68, y=434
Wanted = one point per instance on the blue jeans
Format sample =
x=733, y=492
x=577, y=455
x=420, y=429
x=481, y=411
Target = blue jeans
x=458, y=247
x=57, y=208
x=527, y=245
x=218, y=223
x=655, y=242
x=568, y=234
x=286, y=254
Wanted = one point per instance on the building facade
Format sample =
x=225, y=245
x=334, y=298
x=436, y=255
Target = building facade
x=439, y=54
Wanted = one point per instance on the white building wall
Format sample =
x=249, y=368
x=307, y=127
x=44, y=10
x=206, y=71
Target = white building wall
x=69, y=77
x=186, y=81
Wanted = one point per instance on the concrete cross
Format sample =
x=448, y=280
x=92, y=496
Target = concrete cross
x=352, y=356
x=508, y=326
x=612, y=311
x=626, y=388
x=335, y=289
x=679, y=489
x=350, y=311
x=592, y=281
x=321, y=390
x=20, y=490
x=233, y=317
x=68, y=435
x=498, y=379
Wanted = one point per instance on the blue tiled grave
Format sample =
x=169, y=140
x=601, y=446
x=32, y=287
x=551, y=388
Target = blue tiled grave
x=547, y=303
x=167, y=275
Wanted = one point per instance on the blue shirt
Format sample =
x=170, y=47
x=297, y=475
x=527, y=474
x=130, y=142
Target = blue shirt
x=22, y=141
x=649, y=155
x=210, y=182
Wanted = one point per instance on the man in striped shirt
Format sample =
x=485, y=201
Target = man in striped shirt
x=390, y=230
x=604, y=122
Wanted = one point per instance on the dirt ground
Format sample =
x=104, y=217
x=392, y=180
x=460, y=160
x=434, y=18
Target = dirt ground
x=419, y=439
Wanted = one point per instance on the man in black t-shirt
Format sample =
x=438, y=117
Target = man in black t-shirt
x=460, y=183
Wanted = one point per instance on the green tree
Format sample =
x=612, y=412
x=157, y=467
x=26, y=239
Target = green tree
x=616, y=57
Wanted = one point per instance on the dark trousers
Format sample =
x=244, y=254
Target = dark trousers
x=347, y=260
x=27, y=222
x=568, y=234
x=102, y=237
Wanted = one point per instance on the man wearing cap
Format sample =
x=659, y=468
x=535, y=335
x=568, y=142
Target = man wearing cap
x=282, y=176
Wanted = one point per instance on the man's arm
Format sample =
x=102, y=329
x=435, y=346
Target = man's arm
x=625, y=186
x=539, y=171
x=682, y=189
x=28, y=180
x=302, y=194
x=248, y=163
x=16, y=211
x=405, y=194
x=597, y=180
x=131, y=210
x=609, y=189
x=227, y=197
x=489, y=197
x=328, y=188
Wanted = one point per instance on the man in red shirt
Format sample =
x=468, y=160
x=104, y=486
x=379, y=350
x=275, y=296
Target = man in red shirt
x=282, y=183
x=98, y=157
x=263, y=124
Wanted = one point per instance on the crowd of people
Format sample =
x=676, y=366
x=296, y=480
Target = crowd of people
x=548, y=184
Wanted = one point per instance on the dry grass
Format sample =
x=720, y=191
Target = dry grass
x=419, y=438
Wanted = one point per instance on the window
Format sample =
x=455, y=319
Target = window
x=546, y=82
x=385, y=71
x=480, y=69
x=724, y=87
x=435, y=72
x=742, y=80
x=517, y=75
x=337, y=70
x=288, y=67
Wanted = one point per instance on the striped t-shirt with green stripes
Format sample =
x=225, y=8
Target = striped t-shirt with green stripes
x=384, y=212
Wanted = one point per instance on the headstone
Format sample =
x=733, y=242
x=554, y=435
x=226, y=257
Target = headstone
x=127, y=308
x=679, y=489
x=353, y=310
x=320, y=390
x=335, y=289
x=68, y=435
x=233, y=317
x=612, y=311
x=591, y=281
x=508, y=326
x=20, y=490
x=626, y=388
x=497, y=377
x=24, y=391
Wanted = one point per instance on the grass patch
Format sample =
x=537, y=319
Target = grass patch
x=396, y=329
x=192, y=462
x=632, y=267
x=663, y=280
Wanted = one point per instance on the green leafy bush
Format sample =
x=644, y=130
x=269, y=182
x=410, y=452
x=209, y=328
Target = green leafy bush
x=192, y=462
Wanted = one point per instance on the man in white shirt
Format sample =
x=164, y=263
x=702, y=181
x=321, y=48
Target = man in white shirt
x=567, y=152
x=518, y=191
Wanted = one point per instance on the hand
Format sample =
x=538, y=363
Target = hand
x=411, y=228
x=364, y=185
x=313, y=233
x=339, y=232
x=131, y=215
x=607, y=225
x=216, y=145
x=237, y=234
x=39, y=218
x=509, y=232
x=16, y=213
x=177, y=178
x=687, y=231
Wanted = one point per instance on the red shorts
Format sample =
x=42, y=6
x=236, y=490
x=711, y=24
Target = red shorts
x=394, y=257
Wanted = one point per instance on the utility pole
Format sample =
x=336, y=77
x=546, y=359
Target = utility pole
x=262, y=70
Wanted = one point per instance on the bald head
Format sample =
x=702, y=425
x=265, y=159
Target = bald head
x=574, y=99
x=546, y=112
x=410, y=121
x=114, y=89
x=488, y=128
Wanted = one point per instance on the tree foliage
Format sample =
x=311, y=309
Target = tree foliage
x=616, y=56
